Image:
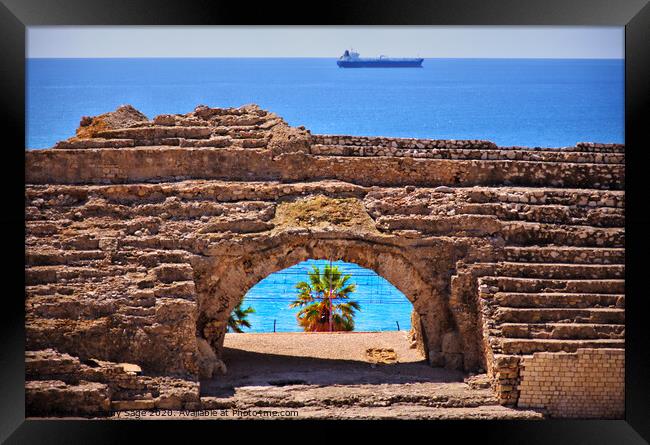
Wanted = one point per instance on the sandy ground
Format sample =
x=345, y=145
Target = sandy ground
x=323, y=375
x=334, y=346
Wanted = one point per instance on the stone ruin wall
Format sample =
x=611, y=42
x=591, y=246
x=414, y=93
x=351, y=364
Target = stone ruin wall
x=142, y=235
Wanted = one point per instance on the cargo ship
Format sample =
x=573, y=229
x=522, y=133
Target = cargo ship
x=351, y=59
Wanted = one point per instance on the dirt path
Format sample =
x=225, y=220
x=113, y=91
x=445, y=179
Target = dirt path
x=325, y=375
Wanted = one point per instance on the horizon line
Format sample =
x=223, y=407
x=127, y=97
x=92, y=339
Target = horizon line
x=308, y=57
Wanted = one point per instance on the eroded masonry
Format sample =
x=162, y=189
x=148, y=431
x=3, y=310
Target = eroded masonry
x=143, y=235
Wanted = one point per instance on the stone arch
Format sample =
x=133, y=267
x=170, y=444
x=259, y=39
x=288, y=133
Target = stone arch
x=223, y=278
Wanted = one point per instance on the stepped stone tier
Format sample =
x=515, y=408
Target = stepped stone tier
x=143, y=235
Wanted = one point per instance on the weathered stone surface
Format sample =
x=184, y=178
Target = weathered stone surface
x=143, y=235
x=381, y=356
x=209, y=364
x=60, y=384
x=47, y=397
x=125, y=116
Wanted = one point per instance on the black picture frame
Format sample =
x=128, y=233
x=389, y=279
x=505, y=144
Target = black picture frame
x=16, y=15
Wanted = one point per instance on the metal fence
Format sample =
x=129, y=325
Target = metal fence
x=383, y=307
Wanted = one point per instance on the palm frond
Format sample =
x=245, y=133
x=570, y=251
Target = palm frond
x=322, y=292
x=237, y=319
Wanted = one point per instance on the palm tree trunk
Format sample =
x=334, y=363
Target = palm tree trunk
x=330, y=298
x=330, y=295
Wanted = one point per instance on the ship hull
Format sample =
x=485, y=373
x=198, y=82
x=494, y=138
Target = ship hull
x=406, y=63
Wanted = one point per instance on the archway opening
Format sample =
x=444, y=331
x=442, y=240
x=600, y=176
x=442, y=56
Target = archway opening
x=382, y=307
x=273, y=349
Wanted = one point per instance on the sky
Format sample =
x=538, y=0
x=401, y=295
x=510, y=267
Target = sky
x=326, y=41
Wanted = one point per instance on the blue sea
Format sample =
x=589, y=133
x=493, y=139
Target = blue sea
x=526, y=102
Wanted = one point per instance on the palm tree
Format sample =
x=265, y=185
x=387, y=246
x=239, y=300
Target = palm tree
x=317, y=300
x=237, y=319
